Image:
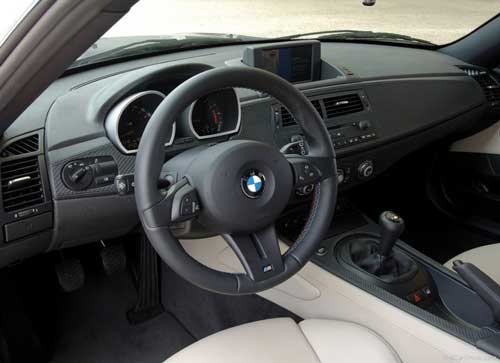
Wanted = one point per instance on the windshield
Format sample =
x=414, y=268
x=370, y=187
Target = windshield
x=11, y=13
x=155, y=25
x=434, y=20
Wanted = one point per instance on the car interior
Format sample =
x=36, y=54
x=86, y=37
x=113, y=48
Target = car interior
x=321, y=197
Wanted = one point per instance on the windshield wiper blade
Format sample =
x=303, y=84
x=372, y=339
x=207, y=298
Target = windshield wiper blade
x=363, y=35
x=358, y=35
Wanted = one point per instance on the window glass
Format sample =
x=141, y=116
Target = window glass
x=11, y=13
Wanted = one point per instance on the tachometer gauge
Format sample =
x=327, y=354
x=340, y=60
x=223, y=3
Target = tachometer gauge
x=126, y=122
x=215, y=115
x=215, y=120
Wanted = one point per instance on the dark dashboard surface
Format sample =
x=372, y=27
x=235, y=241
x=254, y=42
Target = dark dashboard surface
x=365, y=61
x=378, y=102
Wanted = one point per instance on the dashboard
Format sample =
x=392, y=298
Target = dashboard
x=67, y=163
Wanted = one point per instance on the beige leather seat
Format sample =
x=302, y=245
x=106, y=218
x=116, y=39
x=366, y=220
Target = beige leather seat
x=486, y=258
x=283, y=341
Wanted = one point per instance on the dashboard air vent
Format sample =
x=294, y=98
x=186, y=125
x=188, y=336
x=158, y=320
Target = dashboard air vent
x=317, y=106
x=21, y=184
x=288, y=120
x=25, y=145
x=490, y=86
x=342, y=105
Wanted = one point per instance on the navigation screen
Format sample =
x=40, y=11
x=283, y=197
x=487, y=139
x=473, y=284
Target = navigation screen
x=294, y=63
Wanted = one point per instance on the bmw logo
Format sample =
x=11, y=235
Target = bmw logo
x=252, y=183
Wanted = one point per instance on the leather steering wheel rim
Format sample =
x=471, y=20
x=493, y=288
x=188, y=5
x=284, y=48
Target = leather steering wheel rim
x=150, y=160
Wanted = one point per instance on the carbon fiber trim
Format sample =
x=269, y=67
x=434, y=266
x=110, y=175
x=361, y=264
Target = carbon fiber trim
x=102, y=147
x=462, y=331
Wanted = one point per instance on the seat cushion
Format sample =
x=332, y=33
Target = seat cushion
x=340, y=341
x=283, y=341
x=485, y=257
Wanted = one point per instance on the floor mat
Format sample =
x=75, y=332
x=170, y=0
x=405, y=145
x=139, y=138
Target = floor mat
x=92, y=326
x=204, y=313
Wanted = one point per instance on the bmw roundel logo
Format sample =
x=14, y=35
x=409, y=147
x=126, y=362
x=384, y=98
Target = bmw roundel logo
x=253, y=183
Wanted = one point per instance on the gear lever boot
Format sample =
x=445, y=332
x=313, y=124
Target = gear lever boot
x=380, y=259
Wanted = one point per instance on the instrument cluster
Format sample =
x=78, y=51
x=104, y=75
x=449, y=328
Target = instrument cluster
x=214, y=115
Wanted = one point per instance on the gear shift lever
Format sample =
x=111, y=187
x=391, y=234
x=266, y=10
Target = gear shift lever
x=392, y=226
x=377, y=257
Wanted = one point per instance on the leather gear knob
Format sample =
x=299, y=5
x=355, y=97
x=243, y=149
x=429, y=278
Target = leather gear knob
x=392, y=226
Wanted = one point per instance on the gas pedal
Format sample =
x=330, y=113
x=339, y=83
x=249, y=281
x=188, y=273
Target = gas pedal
x=147, y=278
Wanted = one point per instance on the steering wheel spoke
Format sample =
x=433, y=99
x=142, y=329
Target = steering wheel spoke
x=180, y=204
x=309, y=170
x=258, y=252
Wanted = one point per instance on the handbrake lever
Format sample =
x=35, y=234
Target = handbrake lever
x=487, y=289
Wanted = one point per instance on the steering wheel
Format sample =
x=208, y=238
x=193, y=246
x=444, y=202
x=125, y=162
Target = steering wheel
x=237, y=188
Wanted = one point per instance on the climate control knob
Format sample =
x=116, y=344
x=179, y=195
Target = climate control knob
x=366, y=169
x=364, y=125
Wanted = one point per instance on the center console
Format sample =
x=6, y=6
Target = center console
x=371, y=256
x=376, y=259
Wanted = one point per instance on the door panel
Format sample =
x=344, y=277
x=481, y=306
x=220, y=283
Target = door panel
x=469, y=179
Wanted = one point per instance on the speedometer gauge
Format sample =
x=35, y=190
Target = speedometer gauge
x=215, y=115
x=132, y=125
x=126, y=122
